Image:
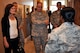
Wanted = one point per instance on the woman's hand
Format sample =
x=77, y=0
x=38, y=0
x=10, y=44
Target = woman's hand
x=6, y=43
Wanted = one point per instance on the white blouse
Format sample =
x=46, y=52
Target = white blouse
x=13, y=29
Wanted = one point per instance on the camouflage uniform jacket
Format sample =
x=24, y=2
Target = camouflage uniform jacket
x=65, y=38
x=20, y=24
x=55, y=18
x=39, y=28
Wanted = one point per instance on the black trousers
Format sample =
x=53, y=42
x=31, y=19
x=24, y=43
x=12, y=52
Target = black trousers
x=13, y=45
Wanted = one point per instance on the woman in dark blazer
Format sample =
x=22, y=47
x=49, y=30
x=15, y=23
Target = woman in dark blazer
x=10, y=29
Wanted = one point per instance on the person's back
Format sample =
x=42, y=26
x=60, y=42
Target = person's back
x=66, y=38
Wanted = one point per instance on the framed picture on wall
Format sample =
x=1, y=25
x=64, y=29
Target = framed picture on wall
x=27, y=10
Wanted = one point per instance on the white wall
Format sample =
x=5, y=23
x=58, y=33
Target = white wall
x=28, y=2
x=1, y=37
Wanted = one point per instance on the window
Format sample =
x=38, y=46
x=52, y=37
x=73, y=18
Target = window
x=45, y=5
x=54, y=2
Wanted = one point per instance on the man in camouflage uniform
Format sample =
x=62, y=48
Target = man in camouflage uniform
x=40, y=21
x=55, y=17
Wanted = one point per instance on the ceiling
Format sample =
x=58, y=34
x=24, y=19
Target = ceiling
x=28, y=2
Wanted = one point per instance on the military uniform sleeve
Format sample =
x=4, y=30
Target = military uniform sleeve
x=52, y=19
x=47, y=18
x=52, y=46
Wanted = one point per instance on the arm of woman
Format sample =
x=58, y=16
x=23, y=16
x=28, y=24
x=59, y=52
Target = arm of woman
x=4, y=32
x=5, y=42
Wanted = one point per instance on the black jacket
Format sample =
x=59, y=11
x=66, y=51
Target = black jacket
x=5, y=27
